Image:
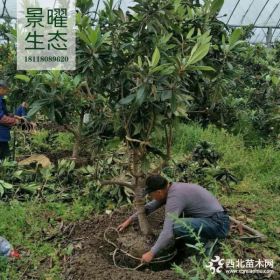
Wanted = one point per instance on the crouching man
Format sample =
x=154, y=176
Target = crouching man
x=194, y=206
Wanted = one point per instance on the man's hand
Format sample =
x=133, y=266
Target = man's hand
x=124, y=225
x=147, y=257
x=8, y=121
x=18, y=117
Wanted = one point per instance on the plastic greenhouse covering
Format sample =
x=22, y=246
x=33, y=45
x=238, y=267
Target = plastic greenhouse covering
x=264, y=15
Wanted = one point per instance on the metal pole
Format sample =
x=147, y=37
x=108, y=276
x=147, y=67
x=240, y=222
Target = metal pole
x=269, y=37
x=256, y=26
x=261, y=11
x=4, y=7
x=247, y=11
x=275, y=8
x=233, y=11
x=277, y=26
x=96, y=10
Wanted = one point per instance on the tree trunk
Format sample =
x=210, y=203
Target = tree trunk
x=76, y=148
x=140, y=207
x=139, y=193
x=168, y=136
x=77, y=134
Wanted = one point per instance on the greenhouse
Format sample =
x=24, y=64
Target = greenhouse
x=139, y=139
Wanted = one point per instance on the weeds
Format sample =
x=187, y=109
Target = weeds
x=199, y=261
x=27, y=223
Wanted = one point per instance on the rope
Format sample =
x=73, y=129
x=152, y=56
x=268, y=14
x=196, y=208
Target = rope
x=123, y=267
x=157, y=260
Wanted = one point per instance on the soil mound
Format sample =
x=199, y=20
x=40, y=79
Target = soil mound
x=92, y=257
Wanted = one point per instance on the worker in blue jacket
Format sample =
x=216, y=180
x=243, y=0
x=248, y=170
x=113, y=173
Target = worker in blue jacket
x=6, y=122
x=21, y=111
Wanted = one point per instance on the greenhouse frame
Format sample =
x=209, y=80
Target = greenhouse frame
x=263, y=15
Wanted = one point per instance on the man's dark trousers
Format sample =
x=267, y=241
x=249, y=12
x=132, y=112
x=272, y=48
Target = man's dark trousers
x=216, y=226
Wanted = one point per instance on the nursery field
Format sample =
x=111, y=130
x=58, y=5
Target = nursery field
x=64, y=240
x=170, y=112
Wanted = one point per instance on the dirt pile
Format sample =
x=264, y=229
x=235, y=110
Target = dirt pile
x=92, y=257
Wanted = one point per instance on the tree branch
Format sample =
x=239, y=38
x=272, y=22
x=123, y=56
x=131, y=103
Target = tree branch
x=120, y=183
x=256, y=233
x=137, y=141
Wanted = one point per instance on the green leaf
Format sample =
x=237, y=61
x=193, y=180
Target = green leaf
x=194, y=49
x=82, y=35
x=7, y=186
x=93, y=35
x=127, y=100
x=57, y=73
x=22, y=77
x=235, y=44
x=181, y=111
x=190, y=33
x=166, y=95
x=268, y=78
x=37, y=106
x=17, y=174
x=275, y=80
x=230, y=67
x=140, y=95
x=61, y=171
x=199, y=54
x=156, y=57
x=234, y=37
x=1, y=190
x=77, y=80
x=166, y=38
x=32, y=72
x=85, y=21
x=157, y=68
x=190, y=12
x=167, y=70
x=177, y=4
x=223, y=40
x=203, y=68
x=192, y=246
x=72, y=166
x=216, y=6
x=140, y=64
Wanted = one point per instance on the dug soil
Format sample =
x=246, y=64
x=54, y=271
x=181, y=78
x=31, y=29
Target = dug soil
x=92, y=256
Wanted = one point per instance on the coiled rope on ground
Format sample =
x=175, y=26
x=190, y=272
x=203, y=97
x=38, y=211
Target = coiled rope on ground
x=117, y=249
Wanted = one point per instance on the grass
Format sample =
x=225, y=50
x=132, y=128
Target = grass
x=26, y=226
x=255, y=200
x=259, y=166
